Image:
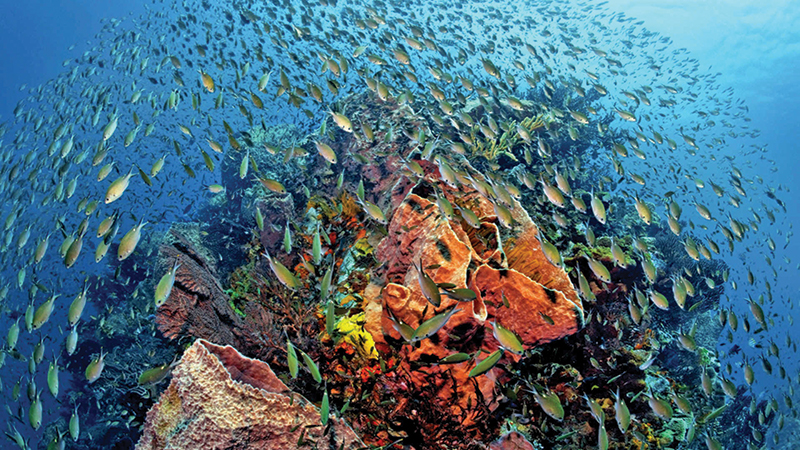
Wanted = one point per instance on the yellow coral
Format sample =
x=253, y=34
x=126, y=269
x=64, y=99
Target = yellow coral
x=352, y=329
x=363, y=247
x=533, y=122
x=321, y=205
x=349, y=206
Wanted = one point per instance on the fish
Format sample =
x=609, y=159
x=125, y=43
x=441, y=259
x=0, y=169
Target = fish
x=429, y=288
x=40, y=317
x=406, y=331
x=101, y=250
x=326, y=283
x=682, y=403
x=659, y=299
x=52, y=378
x=129, y=138
x=118, y=187
x=263, y=81
x=469, y=217
x=324, y=409
x=433, y=325
x=342, y=121
x=158, y=165
x=598, y=209
x=550, y=404
x=293, y=362
x=649, y=269
x=644, y=211
x=679, y=291
x=71, y=342
x=74, y=425
x=330, y=317
x=130, y=240
x=374, y=212
x=602, y=438
x=596, y=410
x=41, y=249
x=312, y=367
x=599, y=270
x=287, y=237
x=77, y=306
x=105, y=226
x=109, y=129
x=553, y=194
x=508, y=339
x=105, y=171
x=486, y=364
x=73, y=251
x=589, y=235
x=95, y=368
x=460, y=294
x=165, y=284
x=283, y=274
x=455, y=358
x=621, y=413
x=618, y=254
x=627, y=115
x=326, y=152
x=207, y=81
x=244, y=165
x=35, y=411
x=660, y=407
x=728, y=387
x=155, y=375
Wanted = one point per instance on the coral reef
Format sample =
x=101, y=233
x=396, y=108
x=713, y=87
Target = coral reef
x=358, y=275
x=220, y=399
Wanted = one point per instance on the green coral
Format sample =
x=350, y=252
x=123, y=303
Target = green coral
x=241, y=289
x=705, y=356
x=491, y=149
x=598, y=252
x=673, y=431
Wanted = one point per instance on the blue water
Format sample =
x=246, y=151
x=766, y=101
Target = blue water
x=754, y=46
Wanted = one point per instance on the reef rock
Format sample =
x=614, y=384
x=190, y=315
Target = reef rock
x=222, y=400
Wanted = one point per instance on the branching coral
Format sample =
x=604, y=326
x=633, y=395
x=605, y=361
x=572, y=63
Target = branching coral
x=491, y=149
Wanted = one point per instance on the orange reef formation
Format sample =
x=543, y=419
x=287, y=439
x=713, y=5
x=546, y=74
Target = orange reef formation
x=463, y=256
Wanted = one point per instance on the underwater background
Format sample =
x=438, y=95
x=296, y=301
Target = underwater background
x=559, y=225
